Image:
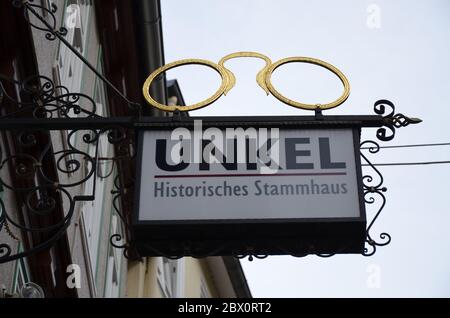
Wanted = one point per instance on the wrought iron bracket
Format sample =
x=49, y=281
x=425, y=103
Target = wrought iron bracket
x=55, y=108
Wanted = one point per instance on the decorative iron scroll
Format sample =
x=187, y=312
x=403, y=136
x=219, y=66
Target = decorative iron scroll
x=47, y=100
x=373, y=188
x=50, y=28
x=117, y=240
x=43, y=194
x=391, y=120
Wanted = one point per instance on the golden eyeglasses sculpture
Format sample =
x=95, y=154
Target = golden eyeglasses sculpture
x=263, y=78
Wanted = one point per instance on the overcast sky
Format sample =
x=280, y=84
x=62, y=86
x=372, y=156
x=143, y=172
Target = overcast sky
x=403, y=56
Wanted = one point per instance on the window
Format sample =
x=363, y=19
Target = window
x=167, y=271
x=170, y=277
x=63, y=133
x=21, y=274
x=76, y=18
x=101, y=110
x=93, y=210
x=78, y=39
x=17, y=79
x=46, y=4
x=52, y=265
x=204, y=291
x=114, y=264
x=96, y=185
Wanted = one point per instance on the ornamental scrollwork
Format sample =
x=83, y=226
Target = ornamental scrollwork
x=391, y=120
x=48, y=25
x=124, y=239
x=373, y=189
x=26, y=176
x=43, y=99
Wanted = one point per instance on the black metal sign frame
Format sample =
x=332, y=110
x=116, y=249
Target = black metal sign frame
x=258, y=237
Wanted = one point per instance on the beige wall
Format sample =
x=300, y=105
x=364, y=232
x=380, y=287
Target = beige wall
x=142, y=279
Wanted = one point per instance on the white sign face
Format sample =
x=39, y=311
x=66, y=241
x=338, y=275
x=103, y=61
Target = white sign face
x=297, y=174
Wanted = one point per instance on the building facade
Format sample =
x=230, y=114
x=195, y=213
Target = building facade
x=159, y=277
x=122, y=41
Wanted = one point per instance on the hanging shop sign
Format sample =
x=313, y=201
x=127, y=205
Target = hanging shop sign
x=254, y=186
x=270, y=190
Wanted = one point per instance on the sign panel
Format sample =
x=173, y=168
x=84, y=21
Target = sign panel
x=251, y=186
x=316, y=178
